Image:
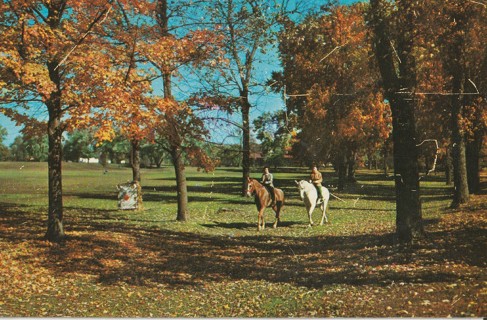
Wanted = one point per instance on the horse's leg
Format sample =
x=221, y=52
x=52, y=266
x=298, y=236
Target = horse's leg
x=260, y=216
x=323, y=208
x=326, y=198
x=277, y=210
x=258, y=220
x=261, y=224
x=310, y=213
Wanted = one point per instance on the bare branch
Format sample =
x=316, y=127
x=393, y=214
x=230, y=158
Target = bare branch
x=433, y=168
x=80, y=41
x=334, y=49
x=477, y=2
x=394, y=49
x=224, y=120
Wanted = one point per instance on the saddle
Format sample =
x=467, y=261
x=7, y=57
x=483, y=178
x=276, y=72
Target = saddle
x=272, y=194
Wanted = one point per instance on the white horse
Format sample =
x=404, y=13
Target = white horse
x=309, y=195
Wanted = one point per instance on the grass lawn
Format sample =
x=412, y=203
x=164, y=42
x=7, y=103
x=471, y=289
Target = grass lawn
x=118, y=263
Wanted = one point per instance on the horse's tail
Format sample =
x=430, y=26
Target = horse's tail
x=280, y=193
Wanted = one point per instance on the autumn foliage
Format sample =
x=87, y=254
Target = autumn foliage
x=329, y=79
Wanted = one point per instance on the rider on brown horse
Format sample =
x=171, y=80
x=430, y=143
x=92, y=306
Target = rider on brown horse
x=263, y=200
x=268, y=182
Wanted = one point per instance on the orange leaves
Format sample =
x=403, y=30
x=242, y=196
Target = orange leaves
x=328, y=65
x=97, y=60
x=105, y=132
x=168, y=52
x=37, y=74
x=199, y=158
x=318, y=99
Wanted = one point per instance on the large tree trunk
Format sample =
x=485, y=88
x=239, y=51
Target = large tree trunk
x=135, y=160
x=454, y=63
x=406, y=172
x=473, y=162
x=397, y=83
x=245, y=142
x=55, y=229
x=181, y=185
x=460, y=194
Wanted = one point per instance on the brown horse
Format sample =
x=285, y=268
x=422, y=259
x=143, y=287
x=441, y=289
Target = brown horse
x=263, y=200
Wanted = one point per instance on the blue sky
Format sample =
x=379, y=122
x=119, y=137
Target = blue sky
x=265, y=102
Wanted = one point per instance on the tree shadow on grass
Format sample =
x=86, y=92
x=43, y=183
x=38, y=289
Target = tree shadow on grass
x=96, y=196
x=116, y=251
x=18, y=224
x=250, y=225
x=222, y=188
x=190, y=259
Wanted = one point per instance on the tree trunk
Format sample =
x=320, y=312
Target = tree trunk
x=449, y=167
x=176, y=150
x=135, y=160
x=158, y=162
x=385, y=159
x=181, y=185
x=351, y=162
x=455, y=65
x=406, y=173
x=103, y=159
x=341, y=170
x=245, y=142
x=399, y=84
x=473, y=162
x=460, y=194
x=55, y=229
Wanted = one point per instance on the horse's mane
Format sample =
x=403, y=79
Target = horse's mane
x=258, y=182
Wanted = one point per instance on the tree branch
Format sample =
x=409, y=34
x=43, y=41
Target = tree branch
x=80, y=41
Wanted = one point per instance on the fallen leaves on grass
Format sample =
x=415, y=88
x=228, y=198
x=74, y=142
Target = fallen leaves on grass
x=114, y=269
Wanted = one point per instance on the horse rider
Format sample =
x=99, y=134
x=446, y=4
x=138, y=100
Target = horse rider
x=316, y=180
x=268, y=182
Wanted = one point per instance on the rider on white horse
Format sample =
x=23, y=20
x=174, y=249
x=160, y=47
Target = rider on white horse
x=316, y=180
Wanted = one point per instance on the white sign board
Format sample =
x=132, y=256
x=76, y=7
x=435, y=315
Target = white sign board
x=128, y=196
